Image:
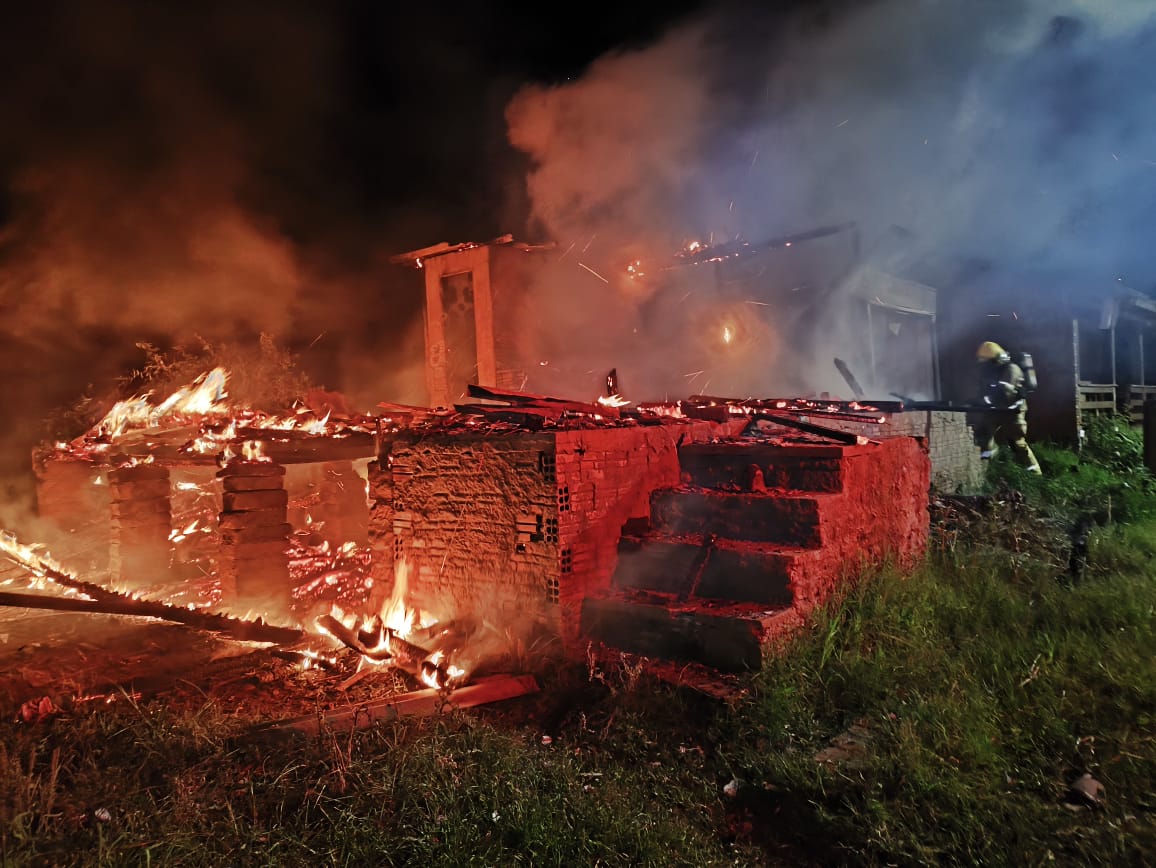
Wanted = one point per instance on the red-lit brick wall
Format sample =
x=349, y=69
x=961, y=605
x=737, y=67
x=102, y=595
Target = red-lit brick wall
x=514, y=526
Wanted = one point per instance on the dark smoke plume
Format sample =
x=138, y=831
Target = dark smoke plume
x=218, y=171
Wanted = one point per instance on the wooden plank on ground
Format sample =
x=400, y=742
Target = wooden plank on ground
x=418, y=703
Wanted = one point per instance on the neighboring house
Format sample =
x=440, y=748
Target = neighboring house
x=1094, y=346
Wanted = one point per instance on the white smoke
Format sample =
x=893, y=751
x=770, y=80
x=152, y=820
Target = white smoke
x=1022, y=132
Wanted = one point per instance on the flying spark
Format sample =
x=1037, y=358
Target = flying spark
x=595, y=273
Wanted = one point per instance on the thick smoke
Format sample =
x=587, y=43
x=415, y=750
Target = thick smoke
x=215, y=171
x=1019, y=132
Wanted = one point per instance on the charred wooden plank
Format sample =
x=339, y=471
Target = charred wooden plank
x=853, y=383
x=525, y=399
x=520, y=416
x=350, y=639
x=814, y=406
x=418, y=703
x=786, y=421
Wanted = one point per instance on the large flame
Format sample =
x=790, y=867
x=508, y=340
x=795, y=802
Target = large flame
x=205, y=396
x=395, y=614
x=384, y=637
x=38, y=562
x=204, y=402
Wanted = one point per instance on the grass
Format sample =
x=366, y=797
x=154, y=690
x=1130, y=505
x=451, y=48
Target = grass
x=982, y=693
x=931, y=718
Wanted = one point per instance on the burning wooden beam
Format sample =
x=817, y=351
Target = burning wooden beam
x=379, y=644
x=105, y=601
x=853, y=383
x=525, y=400
x=376, y=652
x=855, y=411
x=234, y=628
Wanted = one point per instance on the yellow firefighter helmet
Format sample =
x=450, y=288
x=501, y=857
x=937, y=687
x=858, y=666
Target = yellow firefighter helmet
x=989, y=351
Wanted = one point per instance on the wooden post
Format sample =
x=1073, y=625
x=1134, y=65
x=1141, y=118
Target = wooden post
x=1150, y=434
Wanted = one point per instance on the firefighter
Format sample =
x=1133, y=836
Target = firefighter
x=1003, y=387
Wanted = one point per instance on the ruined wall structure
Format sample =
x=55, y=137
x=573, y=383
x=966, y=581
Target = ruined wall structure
x=955, y=463
x=520, y=525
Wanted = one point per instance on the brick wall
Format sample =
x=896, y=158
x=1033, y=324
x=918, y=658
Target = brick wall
x=955, y=463
x=473, y=517
x=605, y=479
x=514, y=526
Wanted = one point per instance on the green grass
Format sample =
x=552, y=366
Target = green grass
x=953, y=705
x=985, y=693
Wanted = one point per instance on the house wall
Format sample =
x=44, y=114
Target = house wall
x=473, y=519
x=515, y=527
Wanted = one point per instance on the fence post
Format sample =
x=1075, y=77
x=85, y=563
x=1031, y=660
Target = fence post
x=1150, y=434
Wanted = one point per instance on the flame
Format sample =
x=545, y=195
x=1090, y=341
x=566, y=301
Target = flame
x=727, y=334
x=314, y=659
x=205, y=396
x=317, y=426
x=436, y=673
x=395, y=615
x=37, y=562
x=203, y=403
x=27, y=555
x=613, y=401
x=180, y=535
x=251, y=450
x=384, y=638
x=254, y=450
x=398, y=617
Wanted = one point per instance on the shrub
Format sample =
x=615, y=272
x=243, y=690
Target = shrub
x=1104, y=482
